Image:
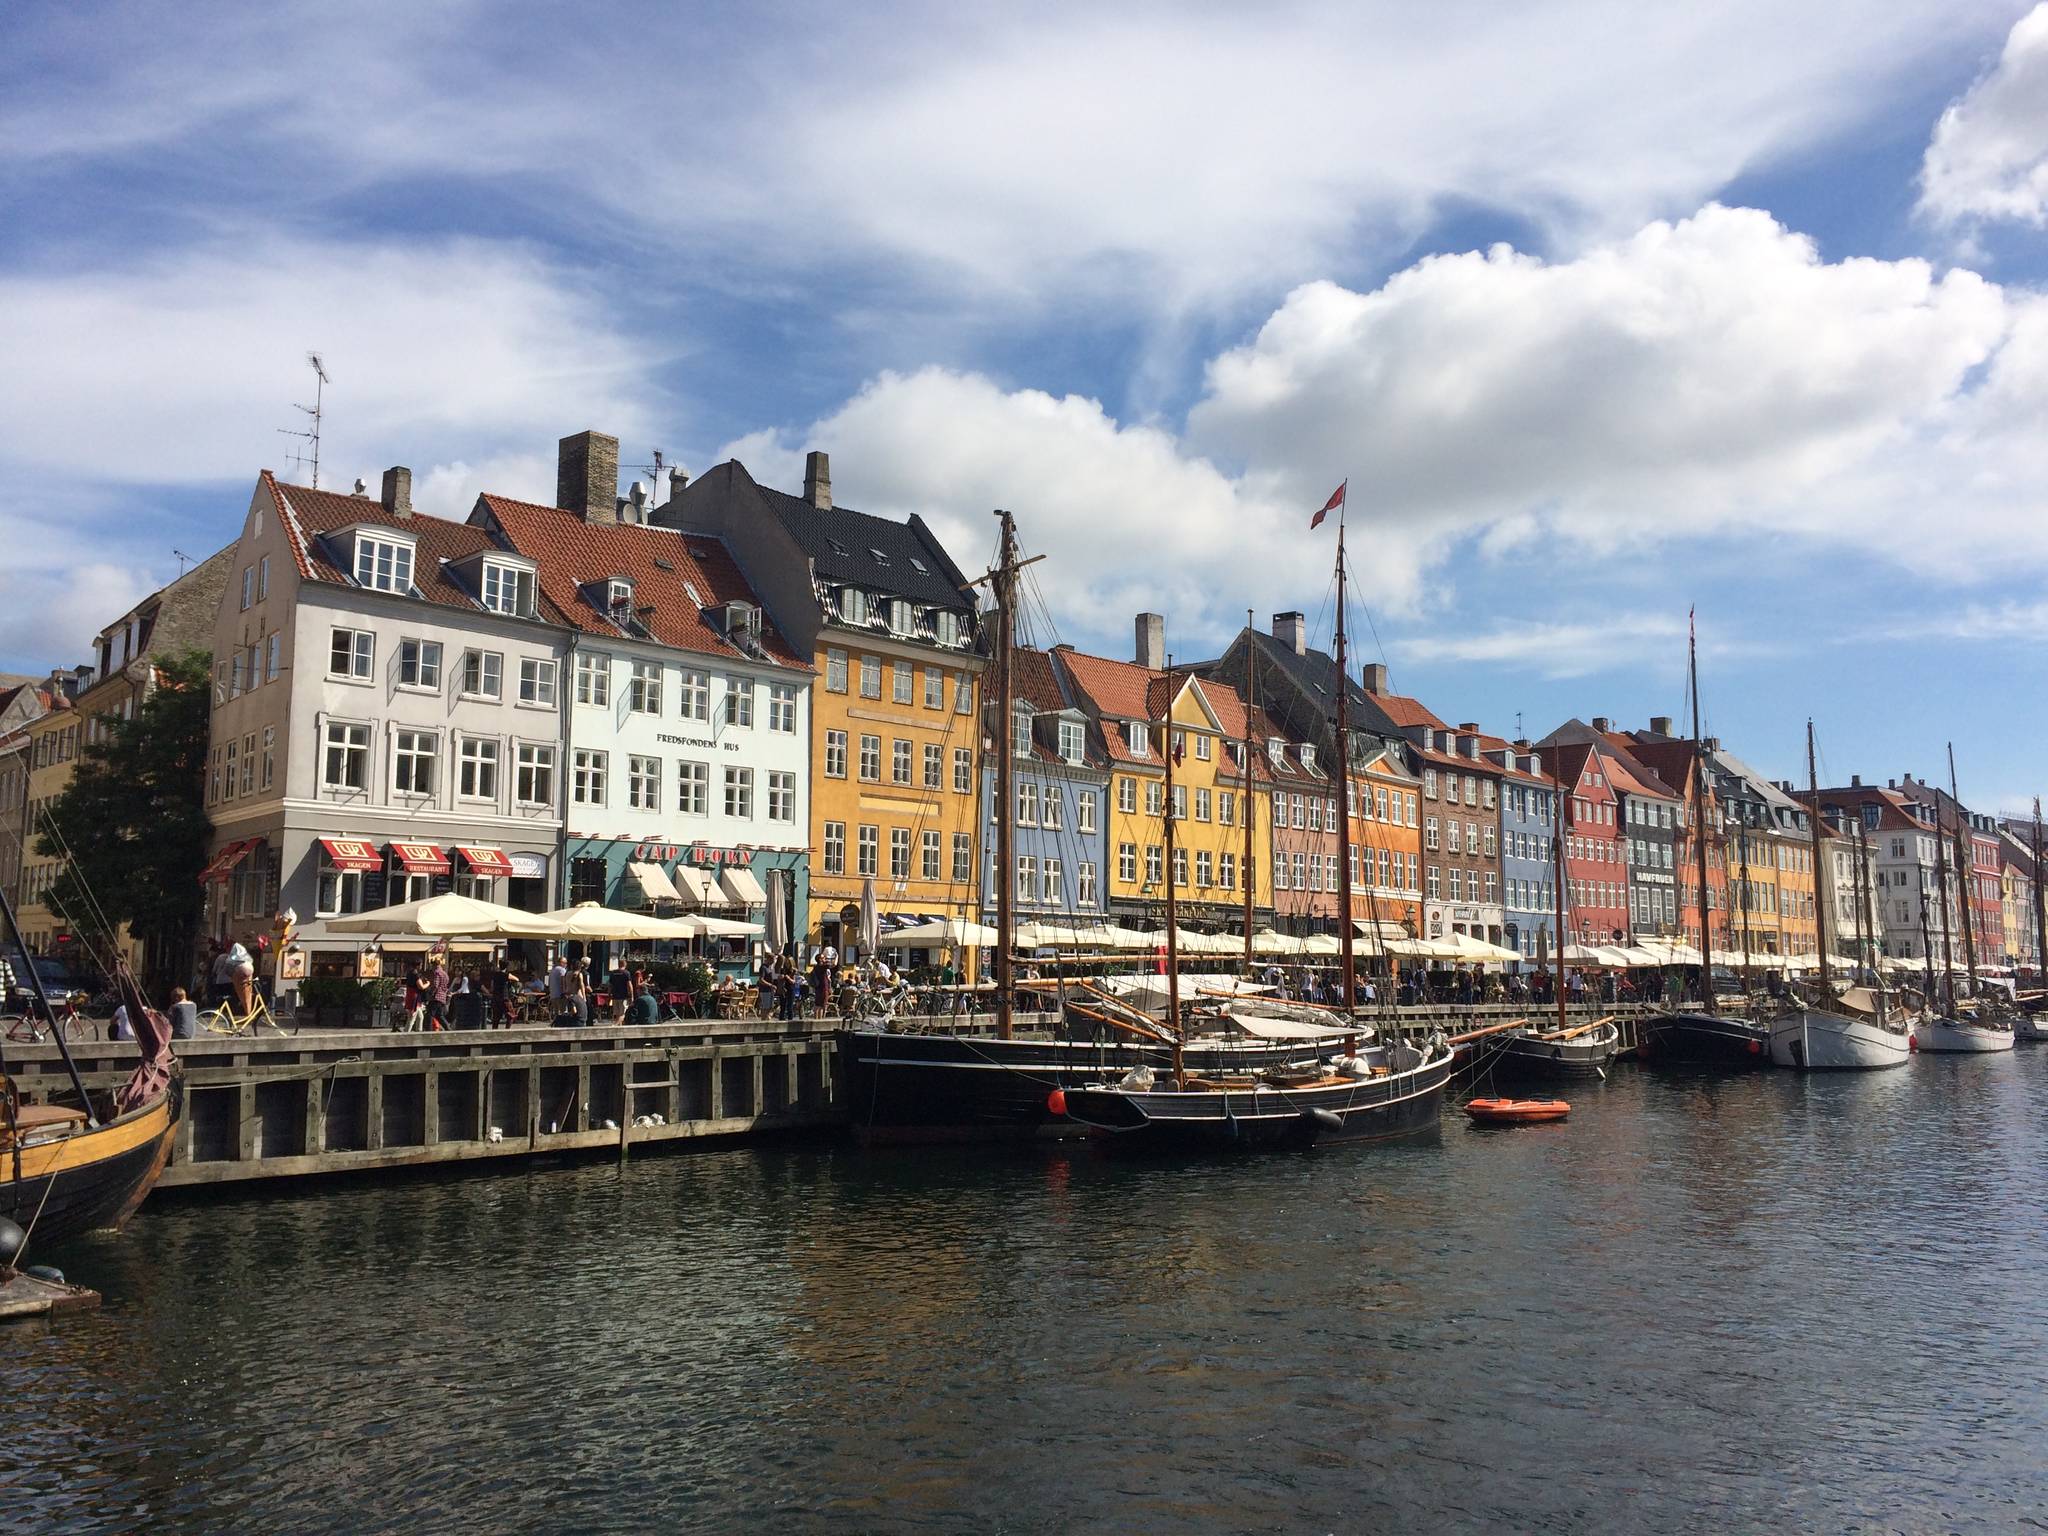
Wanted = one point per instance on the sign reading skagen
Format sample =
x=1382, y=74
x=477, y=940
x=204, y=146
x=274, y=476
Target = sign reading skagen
x=695, y=741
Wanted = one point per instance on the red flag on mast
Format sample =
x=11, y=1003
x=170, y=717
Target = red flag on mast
x=1336, y=500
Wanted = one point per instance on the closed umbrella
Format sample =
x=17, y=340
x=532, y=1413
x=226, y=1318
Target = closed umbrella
x=777, y=926
x=870, y=919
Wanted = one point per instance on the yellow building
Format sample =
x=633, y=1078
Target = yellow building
x=1130, y=704
x=54, y=741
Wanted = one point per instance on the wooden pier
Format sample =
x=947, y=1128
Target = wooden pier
x=335, y=1101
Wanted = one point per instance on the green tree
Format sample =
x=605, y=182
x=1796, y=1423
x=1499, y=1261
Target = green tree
x=131, y=827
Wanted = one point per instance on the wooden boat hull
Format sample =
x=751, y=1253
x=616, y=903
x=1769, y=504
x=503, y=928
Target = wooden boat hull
x=911, y=1088
x=1814, y=1041
x=1705, y=1041
x=91, y=1180
x=1404, y=1103
x=1954, y=1037
x=1530, y=1058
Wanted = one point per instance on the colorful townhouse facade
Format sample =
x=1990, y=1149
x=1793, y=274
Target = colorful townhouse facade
x=1528, y=823
x=891, y=628
x=1060, y=788
x=1596, y=873
x=687, y=764
x=1386, y=838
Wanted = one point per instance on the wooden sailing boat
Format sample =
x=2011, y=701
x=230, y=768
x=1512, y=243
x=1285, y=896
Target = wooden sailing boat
x=1703, y=1036
x=1969, y=1027
x=1373, y=1091
x=84, y=1161
x=1817, y=1036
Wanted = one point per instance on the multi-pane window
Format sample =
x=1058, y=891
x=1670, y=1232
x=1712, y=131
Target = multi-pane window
x=899, y=853
x=871, y=677
x=593, y=678
x=782, y=708
x=476, y=768
x=346, y=761
x=1027, y=877
x=963, y=694
x=383, y=564
x=643, y=783
x=1127, y=863
x=535, y=783
x=336, y=892
x=1202, y=805
x=1204, y=867
x=643, y=689
x=1052, y=815
x=835, y=847
x=1027, y=804
x=781, y=796
x=1180, y=802
x=273, y=655
x=696, y=695
x=1154, y=863
x=835, y=671
x=1084, y=810
x=483, y=674
x=588, y=771
x=1226, y=871
x=870, y=759
x=419, y=663
x=835, y=754
x=693, y=788
x=902, y=681
x=269, y=753
x=249, y=764
x=536, y=680
x=739, y=793
x=963, y=771
x=1127, y=795
x=1180, y=866
x=899, y=761
x=1084, y=884
x=928, y=855
x=506, y=589
x=1054, y=879
x=739, y=702
x=231, y=759
x=934, y=688
x=412, y=762
x=350, y=653
x=963, y=856
x=934, y=766
x=1155, y=797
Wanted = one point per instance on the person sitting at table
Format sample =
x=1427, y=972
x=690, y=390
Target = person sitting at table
x=646, y=1006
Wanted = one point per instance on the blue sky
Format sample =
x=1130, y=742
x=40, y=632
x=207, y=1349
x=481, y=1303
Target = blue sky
x=1602, y=313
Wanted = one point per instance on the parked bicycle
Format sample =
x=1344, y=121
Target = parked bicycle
x=36, y=1026
x=227, y=1020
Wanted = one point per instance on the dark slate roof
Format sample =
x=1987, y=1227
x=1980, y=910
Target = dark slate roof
x=841, y=543
x=1313, y=671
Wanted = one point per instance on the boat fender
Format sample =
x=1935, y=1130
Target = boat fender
x=1557, y=1053
x=48, y=1272
x=1323, y=1119
x=495, y=1134
x=1056, y=1102
x=12, y=1241
x=1756, y=1047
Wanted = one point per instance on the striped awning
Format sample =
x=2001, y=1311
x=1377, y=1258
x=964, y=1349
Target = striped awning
x=225, y=860
x=742, y=887
x=697, y=887
x=421, y=858
x=485, y=861
x=352, y=853
x=654, y=882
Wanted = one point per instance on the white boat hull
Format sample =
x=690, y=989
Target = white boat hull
x=1812, y=1041
x=1950, y=1035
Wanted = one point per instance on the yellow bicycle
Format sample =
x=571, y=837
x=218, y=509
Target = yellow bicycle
x=224, y=1020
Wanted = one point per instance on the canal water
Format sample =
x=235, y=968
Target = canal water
x=1770, y=1301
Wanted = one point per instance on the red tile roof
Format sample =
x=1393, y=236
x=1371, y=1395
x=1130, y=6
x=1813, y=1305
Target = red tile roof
x=685, y=577
x=1405, y=712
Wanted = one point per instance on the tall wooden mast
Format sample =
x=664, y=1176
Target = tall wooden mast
x=1699, y=828
x=1247, y=802
x=1006, y=752
x=1344, y=937
x=1180, y=1073
x=1820, y=915
x=2040, y=906
x=1557, y=826
x=1966, y=873
x=1948, y=955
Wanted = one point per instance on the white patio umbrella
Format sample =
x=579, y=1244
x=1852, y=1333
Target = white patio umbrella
x=447, y=916
x=947, y=930
x=1268, y=941
x=870, y=919
x=588, y=920
x=690, y=924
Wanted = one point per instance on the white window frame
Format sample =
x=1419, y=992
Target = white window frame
x=361, y=654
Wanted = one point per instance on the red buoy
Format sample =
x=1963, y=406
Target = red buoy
x=1756, y=1047
x=1056, y=1101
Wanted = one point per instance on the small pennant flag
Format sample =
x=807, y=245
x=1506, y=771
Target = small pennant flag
x=1336, y=500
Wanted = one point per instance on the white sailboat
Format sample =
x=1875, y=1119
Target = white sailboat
x=1970, y=1026
x=1824, y=1039
x=1961, y=1035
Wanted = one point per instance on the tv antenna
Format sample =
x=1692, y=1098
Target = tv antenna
x=311, y=435
x=183, y=560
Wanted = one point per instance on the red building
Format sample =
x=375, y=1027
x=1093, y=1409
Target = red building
x=1595, y=863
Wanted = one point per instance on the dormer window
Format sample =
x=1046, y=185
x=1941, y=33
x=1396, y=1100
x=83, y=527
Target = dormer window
x=947, y=627
x=740, y=622
x=383, y=565
x=1276, y=749
x=507, y=588
x=853, y=605
x=900, y=616
x=1070, y=741
x=1020, y=733
x=1135, y=738
x=880, y=559
x=1308, y=757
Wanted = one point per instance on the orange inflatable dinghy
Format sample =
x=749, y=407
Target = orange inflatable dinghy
x=1517, y=1111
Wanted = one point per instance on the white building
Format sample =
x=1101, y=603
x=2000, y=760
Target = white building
x=389, y=696
x=688, y=767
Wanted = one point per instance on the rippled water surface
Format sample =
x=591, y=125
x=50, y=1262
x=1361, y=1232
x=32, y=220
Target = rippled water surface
x=1796, y=1302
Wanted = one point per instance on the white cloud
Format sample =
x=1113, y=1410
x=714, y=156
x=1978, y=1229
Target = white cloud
x=64, y=584
x=1610, y=642
x=1968, y=621
x=1988, y=158
x=182, y=368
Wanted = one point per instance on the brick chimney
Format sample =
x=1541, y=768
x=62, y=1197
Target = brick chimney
x=1151, y=646
x=1602, y=724
x=1660, y=725
x=1855, y=781
x=818, y=480
x=1373, y=677
x=587, y=476
x=678, y=481
x=397, y=497
x=1291, y=629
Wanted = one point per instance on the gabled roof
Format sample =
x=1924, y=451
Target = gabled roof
x=1403, y=712
x=685, y=578
x=306, y=515
x=1313, y=671
x=1123, y=690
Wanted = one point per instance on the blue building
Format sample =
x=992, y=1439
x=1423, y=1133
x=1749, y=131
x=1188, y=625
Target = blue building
x=1060, y=786
x=1528, y=819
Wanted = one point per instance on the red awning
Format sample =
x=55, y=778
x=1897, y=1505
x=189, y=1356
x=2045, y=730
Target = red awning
x=421, y=858
x=485, y=861
x=224, y=861
x=352, y=853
